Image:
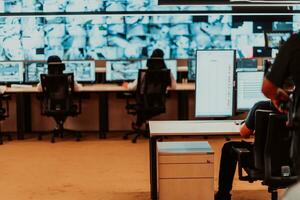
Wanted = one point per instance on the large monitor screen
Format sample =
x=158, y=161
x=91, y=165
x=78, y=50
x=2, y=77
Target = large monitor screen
x=249, y=89
x=33, y=70
x=214, y=83
x=122, y=70
x=84, y=71
x=11, y=72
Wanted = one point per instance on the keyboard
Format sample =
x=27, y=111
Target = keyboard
x=20, y=86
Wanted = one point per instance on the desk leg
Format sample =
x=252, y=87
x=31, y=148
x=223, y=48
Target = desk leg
x=103, y=114
x=183, y=105
x=153, y=168
x=23, y=114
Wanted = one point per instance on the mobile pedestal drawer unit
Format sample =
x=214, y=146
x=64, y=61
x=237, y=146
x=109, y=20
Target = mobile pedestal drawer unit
x=185, y=171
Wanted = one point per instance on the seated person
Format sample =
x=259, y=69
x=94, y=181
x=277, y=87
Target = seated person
x=229, y=158
x=155, y=61
x=59, y=70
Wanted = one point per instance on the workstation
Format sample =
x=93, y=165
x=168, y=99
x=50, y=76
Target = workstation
x=217, y=53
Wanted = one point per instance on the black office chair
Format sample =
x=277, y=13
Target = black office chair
x=150, y=99
x=4, y=113
x=269, y=157
x=58, y=102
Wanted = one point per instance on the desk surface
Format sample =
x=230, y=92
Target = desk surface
x=105, y=87
x=199, y=127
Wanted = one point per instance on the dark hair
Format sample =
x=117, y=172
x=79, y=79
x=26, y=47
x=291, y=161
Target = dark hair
x=55, y=65
x=156, y=60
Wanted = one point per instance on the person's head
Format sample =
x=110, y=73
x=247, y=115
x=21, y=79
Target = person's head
x=156, y=60
x=55, y=65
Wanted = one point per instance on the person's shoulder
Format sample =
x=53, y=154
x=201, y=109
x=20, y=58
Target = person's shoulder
x=261, y=104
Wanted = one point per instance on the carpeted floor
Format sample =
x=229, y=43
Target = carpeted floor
x=110, y=169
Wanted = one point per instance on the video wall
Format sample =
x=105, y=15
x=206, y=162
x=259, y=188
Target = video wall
x=12, y=6
x=125, y=35
x=130, y=37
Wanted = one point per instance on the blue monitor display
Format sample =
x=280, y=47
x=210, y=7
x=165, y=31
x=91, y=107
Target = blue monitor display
x=11, y=72
x=33, y=70
x=246, y=64
x=84, y=71
x=122, y=70
x=249, y=89
x=192, y=70
x=275, y=39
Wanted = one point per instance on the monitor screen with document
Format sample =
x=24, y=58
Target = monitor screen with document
x=214, y=83
x=249, y=89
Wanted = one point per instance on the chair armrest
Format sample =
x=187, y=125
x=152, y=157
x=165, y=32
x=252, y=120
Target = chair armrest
x=242, y=155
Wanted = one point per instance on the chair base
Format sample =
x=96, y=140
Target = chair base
x=9, y=138
x=60, y=133
x=137, y=132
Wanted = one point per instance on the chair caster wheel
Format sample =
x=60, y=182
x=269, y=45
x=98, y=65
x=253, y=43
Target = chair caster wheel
x=52, y=140
x=125, y=137
x=134, y=141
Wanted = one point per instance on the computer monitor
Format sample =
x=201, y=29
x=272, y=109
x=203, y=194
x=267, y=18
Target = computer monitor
x=11, y=72
x=33, y=70
x=275, y=39
x=171, y=64
x=214, y=83
x=122, y=70
x=84, y=71
x=246, y=64
x=192, y=70
x=249, y=89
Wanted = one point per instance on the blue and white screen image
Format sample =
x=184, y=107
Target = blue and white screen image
x=84, y=71
x=11, y=72
x=122, y=70
x=33, y=70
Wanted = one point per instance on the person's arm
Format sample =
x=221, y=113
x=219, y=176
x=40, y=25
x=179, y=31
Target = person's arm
x=39, y=87
x=173, y=81
x=245, y=132
x=130, y=86
x=77, y=86
x=276, y=94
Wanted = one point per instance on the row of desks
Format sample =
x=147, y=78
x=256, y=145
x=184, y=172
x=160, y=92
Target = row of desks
x=102, y=90
x=100, y=87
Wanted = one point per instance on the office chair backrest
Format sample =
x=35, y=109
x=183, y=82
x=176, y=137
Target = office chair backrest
x=277, y=152
x=57, y=91
x=151, y=89
x=261, y=127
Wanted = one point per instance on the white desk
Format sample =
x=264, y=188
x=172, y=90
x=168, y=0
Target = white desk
x=183, y=128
